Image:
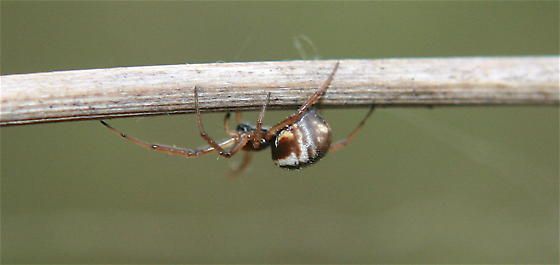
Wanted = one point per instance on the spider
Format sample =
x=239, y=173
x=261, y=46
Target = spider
x=300, y=140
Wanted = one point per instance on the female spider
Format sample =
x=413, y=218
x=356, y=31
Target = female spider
x=298, y=141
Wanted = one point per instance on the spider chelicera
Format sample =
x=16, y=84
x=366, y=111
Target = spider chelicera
x=298, y=141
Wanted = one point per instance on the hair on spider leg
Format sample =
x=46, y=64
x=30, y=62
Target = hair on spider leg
x=299, y=140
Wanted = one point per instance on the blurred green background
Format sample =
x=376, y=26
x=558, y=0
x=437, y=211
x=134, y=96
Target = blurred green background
x=443, y=185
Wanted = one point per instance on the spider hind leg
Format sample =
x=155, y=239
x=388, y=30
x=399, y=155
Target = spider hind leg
x=346, y=140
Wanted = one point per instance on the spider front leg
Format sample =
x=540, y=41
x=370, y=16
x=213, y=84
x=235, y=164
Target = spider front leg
x=227, y=118
x=227, y=129
x=202, y=131
x=170, y=150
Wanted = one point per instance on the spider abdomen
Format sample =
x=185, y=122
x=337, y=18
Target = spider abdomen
x=303, y=142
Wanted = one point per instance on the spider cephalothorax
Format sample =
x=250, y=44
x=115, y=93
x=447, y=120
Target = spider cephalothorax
x=298, y=141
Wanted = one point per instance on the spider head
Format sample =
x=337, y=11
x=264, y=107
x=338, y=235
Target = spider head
x=247, y=128
x=244, y=128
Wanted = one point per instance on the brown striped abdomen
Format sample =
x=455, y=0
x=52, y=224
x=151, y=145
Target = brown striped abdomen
x=302, y=143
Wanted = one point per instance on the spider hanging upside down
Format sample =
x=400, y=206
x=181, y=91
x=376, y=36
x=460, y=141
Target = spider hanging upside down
x=298, y=141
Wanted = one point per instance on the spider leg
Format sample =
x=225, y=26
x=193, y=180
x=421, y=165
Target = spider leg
x=227, y=129
x=227, y=118
x=203, y=133
x=345, y=141
x=259, y=134
x=242, y=141
x=242, y=167
x=310, y=102
x=238, y=117
x=170, y=150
